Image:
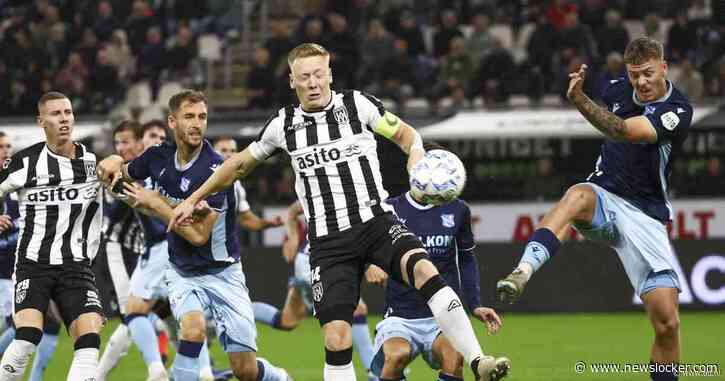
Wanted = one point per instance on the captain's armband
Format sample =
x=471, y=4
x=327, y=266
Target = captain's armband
x=388, y=125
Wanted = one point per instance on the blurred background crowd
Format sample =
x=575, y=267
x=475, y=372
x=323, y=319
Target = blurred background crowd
x=425, y=58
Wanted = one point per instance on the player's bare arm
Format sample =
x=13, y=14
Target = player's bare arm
x=252, y=222
x=402, y=134
x=635, y=129
x=291, y=245
x=153, y=204
x=236, y=167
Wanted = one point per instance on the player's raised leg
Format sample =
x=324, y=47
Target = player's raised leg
x=578, y=206
x=293, y=312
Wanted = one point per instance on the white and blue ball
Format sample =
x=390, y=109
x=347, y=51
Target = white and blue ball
x=438, y=178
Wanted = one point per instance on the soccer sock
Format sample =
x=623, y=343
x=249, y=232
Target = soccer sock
x=142, y=332
x=6, y=338
x=17, y=355
x=451, y=317
x=85, y=358
x=45, y=351
x=269, y=372
x=186, y=363
x=448, y=377
x=542, y=245
x=267, y=314
x=205, y=362
x=115, y=349
x=362, y=341
x=661, y=374
x=338, y=365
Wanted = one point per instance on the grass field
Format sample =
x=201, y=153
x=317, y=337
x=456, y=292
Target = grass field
x=541, y=347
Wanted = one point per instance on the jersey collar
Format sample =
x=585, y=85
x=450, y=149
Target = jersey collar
x=327, y=107
x=182, y=168
x=664, y=97
x=415, y=204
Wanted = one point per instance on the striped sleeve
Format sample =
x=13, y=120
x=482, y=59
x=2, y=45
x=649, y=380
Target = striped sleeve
x=270, y=139
x=370, y=109
x=13, y=175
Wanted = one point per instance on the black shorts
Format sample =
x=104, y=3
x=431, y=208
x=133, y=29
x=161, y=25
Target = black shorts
x=72, y=287
x=338, y=261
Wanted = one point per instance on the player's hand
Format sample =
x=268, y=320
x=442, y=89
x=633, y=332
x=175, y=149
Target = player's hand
x=6, y=223
x=109, y=170
x=376, y=275
x=182, y=214
x=576, y=83
x=140, y=197
x=276, y=221
x=489, y=317
x=201, y=210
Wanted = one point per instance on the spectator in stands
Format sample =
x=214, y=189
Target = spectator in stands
x=104, y=84
x=479, y=42
x=613, y=70
x=396, y=80
x=40, y=30
x=411, y=33
x=699, y=11
x=279, y=44
x=716, y=85
x=690, y=81
x=56, y=48
x=313, y=31
x=449, y=29
x=105, y=21
x=558, y=11
x=542, y=42
x=120, y=56
x=261, y=81
x=456, y=72
x=577, y=37
x=88, y=48
x=682, y=38
x=343, y=48
x=376, y=48
x=151, y=59
x=138, y=24
x=613, y=36
x=653, y=27
x=494, y=77
x=72, y=79
x=180, y=55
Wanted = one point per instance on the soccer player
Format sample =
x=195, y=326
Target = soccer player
x=299, y=293
x=227, y=147
x=624, y=202
x=205, y=273
x=60, y=202
x=408, y=328
x=330, y=137
x=8, y=239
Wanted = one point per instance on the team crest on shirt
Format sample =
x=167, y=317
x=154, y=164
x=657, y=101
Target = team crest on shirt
x=184, y=185
x=21, y=290
x=447, y=220
x=90, y=167
x=340, y=114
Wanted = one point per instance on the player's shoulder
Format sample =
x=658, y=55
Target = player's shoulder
x=617, y=89
x=84, y=153
x=162, y=150
x=33, y=150
x=396, y=201
x=679, y=99
x=362, y=96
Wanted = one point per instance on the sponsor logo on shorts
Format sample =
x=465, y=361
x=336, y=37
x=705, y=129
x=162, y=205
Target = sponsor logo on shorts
x=397, y=231
x=21, y=290
x=92, y=299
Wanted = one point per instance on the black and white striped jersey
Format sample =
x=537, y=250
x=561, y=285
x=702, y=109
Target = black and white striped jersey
x=334, y=155
x=60, y=204
x=121, y=225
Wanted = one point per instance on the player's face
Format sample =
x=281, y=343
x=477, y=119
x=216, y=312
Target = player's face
x=648, y=79
x=126, y=145
x=189, y=124
x=226, y=148
x=56, y=118
x=153, y=136
x=310, y=79
x=6, y=149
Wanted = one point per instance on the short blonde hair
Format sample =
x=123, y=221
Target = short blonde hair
x=306, y=49
x=642, y=49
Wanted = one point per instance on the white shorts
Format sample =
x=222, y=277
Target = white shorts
x=224, y=297
x=640, y=241
x=420, y=333
x=147, y=278
x=6, y=298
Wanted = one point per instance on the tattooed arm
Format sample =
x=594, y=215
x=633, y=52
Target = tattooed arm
x=634, y=129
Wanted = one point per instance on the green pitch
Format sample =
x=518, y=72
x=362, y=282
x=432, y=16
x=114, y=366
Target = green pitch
x=541, y=347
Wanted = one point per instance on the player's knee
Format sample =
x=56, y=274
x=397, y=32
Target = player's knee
x=138, y=306
x=193, y=328
x=244, y=370
x=338, y=340
x=578, y=197
x=417, y=267
x=667, y=327
x=397, y=357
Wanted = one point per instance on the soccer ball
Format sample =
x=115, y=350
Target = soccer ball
x=438, y=178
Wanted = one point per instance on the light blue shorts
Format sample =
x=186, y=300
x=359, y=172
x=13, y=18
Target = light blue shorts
x=301, y=279
x=6, y=298
x=147, y=279
x=420, y=333
x=641, y=242
x=222, y=296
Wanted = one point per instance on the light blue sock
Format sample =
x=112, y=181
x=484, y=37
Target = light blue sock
x=7, y=337
x=266, y=314
x=542, y=245
x=269, y=372
x=144, y=336
x=186, y=363
x=43, y=354
x=204, y=359
x=362, y=341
